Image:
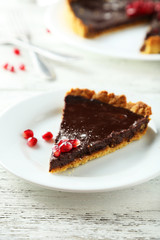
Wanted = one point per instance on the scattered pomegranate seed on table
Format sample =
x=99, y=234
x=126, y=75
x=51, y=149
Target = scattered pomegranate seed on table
x=47, y=136
x=5, y=66
x=56, y=151
x=48, y=31
x=32, y=141
x=12, y=69
x=28, y=133
x=22, y=67
x=16, y=51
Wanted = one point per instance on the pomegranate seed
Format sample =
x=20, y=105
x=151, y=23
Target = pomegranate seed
x=138, y=8
x=155, y=31
x=5, y=66
x=47, y=136
x=62, y=141
x=147, y=8
x=16, y=51
x=28, y=133
x=12, y=69
x=75, y=142
x=48, y=30
x=66, y=147
x=158, y=16
x=56, y=151
x=131, y=11
x=157, y=7
x=32, y=141
x=22, y=67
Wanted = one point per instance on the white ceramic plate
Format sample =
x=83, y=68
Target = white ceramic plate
x=134, y=164
x=121, y=44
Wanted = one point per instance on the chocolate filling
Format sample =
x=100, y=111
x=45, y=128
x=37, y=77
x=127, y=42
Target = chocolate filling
x=97, y=125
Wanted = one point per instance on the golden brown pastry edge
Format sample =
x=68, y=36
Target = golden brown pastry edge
x=115, y=100
x=151, y=45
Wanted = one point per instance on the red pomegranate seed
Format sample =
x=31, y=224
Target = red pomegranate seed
x=5, y=66
x=147, y=8
x=75, y=142
x=28, y=133
x=138, y=8
x=12, y=69
x=22, y=67
x=16, y=51
x=47, y=136
x=131, y=10
x=32, y=141
x=62, y=141
x=157, y=7
x=158, y=16
x=56, y=151
x=48, y=30
x=66, y=147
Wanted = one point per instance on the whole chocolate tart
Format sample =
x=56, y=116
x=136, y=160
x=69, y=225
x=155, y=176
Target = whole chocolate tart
x=101, y=122
x=91, y=18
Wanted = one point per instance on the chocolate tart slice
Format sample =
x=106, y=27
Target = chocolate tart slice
x=102, y=122
x=90, y=18
x=152, y=40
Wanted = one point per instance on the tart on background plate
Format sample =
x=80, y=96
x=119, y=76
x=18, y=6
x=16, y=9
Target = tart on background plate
x=92, y=18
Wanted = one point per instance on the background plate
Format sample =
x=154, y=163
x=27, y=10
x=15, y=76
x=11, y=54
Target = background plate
x=134, y=164
x=120, y=44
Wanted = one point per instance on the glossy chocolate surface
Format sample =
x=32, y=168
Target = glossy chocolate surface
x=96, y=125
x=99, y=15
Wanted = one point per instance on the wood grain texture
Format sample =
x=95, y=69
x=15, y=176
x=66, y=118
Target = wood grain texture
x=30, y=212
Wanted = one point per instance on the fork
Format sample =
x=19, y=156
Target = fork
x=21, y=31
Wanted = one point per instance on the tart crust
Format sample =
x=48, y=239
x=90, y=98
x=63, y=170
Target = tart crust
x=151, y=45
x=75, y=23
x=117, y=101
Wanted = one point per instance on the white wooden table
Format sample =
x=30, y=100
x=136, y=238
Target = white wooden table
x=30, y=212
